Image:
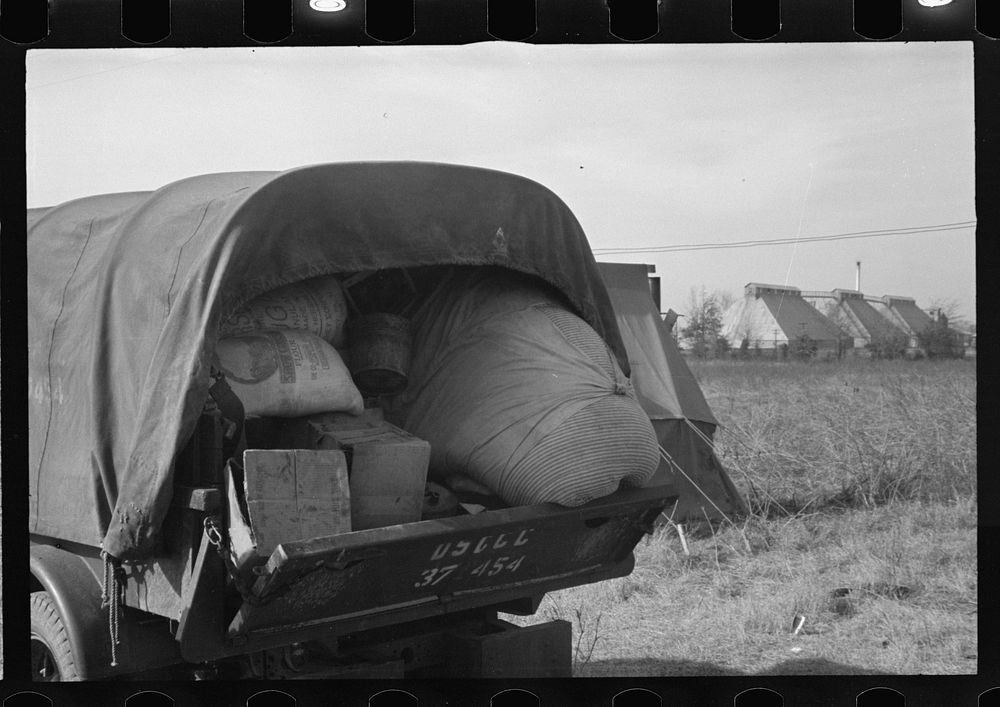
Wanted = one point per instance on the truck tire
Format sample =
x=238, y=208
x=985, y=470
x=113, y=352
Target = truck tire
x=51, y=656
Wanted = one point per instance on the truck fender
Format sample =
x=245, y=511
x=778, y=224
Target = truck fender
x=75, y=589
x=74, y=582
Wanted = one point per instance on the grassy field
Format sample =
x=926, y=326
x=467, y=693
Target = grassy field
x=861, y=482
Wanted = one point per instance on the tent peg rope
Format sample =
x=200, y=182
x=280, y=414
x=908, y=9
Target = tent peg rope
x=670, y=460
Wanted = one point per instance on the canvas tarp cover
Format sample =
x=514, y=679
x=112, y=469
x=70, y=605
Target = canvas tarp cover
x=671, y=396
x=126, y=293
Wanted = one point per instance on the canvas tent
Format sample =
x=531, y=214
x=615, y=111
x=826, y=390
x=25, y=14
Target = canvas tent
x=671, y=396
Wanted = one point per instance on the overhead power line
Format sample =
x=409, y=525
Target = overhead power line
x=881, y=233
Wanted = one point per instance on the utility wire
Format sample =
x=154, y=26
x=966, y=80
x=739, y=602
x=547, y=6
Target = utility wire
x=882, y=233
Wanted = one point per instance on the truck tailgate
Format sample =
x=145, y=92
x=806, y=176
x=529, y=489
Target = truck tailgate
x=436, y=566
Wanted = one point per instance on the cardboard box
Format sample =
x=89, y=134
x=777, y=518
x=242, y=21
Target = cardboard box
x=286, y=495
x=388, y=467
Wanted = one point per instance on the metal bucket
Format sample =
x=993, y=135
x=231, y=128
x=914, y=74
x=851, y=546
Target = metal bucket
x=380, y=346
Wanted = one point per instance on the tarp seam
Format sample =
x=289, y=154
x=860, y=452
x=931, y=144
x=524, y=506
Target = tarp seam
x=48, y=362
x=180, y=252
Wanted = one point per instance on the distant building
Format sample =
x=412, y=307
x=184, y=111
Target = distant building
x=870, y=331
x=968, y=339
x=904, y=313
x=775, y=318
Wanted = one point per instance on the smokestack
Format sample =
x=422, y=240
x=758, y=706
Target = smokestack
x=857, y=279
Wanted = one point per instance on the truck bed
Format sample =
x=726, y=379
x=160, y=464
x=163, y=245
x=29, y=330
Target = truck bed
x=357, y=581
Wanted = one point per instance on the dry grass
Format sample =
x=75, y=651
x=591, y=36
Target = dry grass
x=909, y=571
x=854, y=433
x=861, y=478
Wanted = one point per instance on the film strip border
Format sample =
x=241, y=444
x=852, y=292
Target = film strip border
x=478, y=694
x=29, y=24
x=70, y=23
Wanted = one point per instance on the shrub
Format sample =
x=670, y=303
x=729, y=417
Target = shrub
x=938, y=340
x=889, y=345
x=804, y=347
x=703, y=332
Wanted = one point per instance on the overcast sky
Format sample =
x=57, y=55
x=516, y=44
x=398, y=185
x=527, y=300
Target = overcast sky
x=650, y=145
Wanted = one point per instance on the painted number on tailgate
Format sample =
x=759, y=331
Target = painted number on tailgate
x=477, y=557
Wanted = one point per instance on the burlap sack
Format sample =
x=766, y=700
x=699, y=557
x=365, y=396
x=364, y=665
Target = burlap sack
x=287, y=374
x=316, y=305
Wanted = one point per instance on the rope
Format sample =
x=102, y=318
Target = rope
x=666, y=456
x=708, y=440
x=711, y=445
x=112, y=591
x=670, y=460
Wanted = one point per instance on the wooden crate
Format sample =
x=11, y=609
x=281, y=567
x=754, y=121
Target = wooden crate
x=388, y=467
x=504, y=650
x=288, y=495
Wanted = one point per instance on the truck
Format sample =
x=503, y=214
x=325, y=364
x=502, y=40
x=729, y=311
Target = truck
x=130, y=570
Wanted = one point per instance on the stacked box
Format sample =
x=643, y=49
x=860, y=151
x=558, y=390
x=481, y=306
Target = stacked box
x=288, y=494
x=388, y=467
